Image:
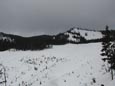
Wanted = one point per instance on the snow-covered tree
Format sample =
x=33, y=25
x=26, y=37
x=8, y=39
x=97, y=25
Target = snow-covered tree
x=108, y=50
x=106, y=42
x=2, y=75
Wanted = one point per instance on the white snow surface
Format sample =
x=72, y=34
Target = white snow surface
x=64, y=65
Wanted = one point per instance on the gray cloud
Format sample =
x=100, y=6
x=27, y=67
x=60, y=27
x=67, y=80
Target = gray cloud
x=32, y=17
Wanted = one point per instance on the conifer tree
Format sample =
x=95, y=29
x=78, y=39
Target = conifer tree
x=106, y=42
x=108, y=50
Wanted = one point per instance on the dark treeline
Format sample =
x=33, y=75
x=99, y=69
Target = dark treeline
x=42, y=41
x=30, y=43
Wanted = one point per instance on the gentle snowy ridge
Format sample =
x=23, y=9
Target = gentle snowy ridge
x=76, y=33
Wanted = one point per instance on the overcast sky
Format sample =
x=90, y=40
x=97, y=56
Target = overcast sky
x=34, y=17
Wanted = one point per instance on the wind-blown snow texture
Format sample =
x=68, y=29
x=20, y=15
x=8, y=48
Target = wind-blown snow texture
x=64, y=65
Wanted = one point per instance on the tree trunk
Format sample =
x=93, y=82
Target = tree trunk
x=112, y=74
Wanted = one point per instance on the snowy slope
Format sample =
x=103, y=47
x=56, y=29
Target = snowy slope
x=76, y=33
x=64, y=65
x=5, y=38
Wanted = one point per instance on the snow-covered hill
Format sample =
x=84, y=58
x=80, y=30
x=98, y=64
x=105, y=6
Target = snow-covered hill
x=64, y=65
x=3, y=37
x=75, y=34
